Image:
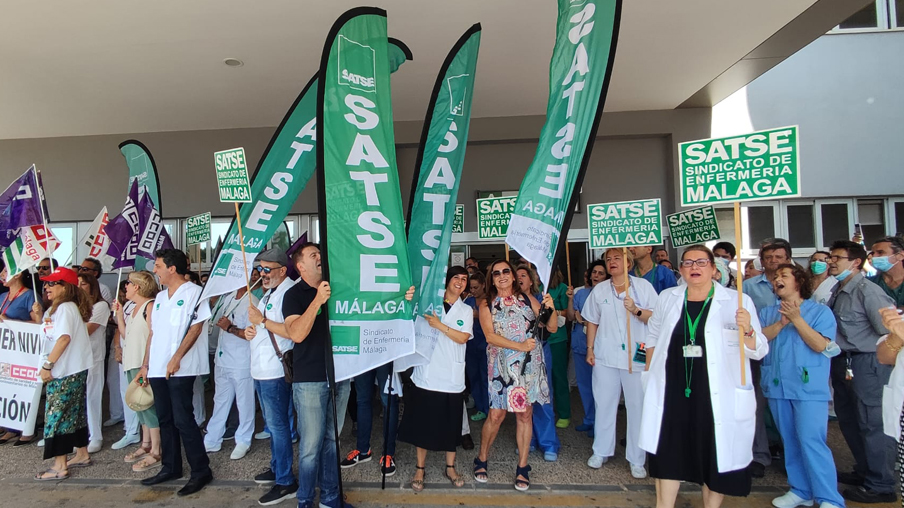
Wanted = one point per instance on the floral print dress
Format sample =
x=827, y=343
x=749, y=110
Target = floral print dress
x=516, y=379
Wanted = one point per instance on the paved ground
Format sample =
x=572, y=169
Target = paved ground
x=568, y=482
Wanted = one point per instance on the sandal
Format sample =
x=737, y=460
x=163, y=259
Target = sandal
x=418, y=485
x=9, y=437
x=139, y=453
x=25, y=442
x=458, y=481
x=480, y=476
x=150, y=462
x=522, y=485
x=54, y=475
x=87, y=463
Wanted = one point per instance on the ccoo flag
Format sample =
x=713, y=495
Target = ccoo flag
x=431, y=211
x=362, y=223
x=281, y=175
x=586, y=35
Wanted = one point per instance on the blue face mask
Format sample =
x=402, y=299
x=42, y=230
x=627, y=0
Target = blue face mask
x=819, y=267
x=843, y=275
x=883, y=264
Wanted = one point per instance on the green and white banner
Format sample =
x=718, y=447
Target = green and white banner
x=362, y=227
x=493, y=216
x=625, y=224
x=197, y=229
x=691, y=227
x=282, y=173
x=586, y=34
x=755, y=166
x=142, y=168
x=440, y=158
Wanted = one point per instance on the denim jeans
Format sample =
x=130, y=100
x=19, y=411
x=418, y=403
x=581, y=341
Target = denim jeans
x=276, y=398
x=173, y=401
x=291, y=412
x=364, y=386
x=317, y=459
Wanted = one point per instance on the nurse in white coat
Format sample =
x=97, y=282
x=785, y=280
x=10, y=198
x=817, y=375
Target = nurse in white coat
x=606, y=313
x=698, y=418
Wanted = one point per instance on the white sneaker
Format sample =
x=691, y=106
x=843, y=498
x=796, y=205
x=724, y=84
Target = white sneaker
x=41, y=444
x=638, y=471
x=790, y=500
x=212, y=448
x=262, y=435
x=95, y=446
x=112, y=421
x=596, y=462
x=128, y=439
x=239, y=451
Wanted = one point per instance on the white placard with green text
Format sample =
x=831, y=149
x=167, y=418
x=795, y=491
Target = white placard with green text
x=691, y=227
x=493, y=216
x=232, y=176
x=755, y=166
x=625, y=224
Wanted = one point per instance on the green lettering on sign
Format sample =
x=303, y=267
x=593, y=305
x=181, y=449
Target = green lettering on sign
x=493, y=216
x=625, y=224
x=197, y=229
x=755, y=166
x=232, y=176
x=346, y=339
x=693, y=226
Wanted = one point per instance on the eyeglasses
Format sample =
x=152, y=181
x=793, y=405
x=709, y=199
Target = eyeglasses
x=86, y=269
x=833, y=258
x=687, y=263
x=43, y=268
x=265, y=269
x=129, y=283
x=504, y=271
x=51, y=283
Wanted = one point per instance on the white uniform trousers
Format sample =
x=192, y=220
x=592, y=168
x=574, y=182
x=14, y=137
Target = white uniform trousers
x=197, y=401
x=130, y=426
x=95, y=399
x=231, y=384
x=608, y=384
x=113, y=388
x=465, y=428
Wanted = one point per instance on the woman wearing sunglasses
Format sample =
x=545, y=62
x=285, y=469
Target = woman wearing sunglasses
x=141, y=289
x=67, y=354
x=698, y=418
x=16, y=304
x=617, y=362
x=516, y=364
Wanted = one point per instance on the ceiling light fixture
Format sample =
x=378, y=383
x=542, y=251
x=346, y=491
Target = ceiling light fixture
x=233, y=62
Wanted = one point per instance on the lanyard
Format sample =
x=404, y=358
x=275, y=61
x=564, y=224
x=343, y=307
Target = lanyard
x=9, y=301
x=623, y=333
x=691, y=328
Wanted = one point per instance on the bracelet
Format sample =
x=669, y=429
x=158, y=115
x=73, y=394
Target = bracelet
x=45, y=368
x=750, y=333
x=894, y=349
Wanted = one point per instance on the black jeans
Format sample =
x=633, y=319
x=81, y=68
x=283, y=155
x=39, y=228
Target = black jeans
x=173, y=401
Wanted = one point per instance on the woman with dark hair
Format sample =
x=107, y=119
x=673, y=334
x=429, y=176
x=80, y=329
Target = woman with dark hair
x=67, y=355
x=795, y=380
x=16, y=304
x=821, y=283
x=435, y=402
x=97, y=333
x=476, y=352
x=698, y=418
x=517, y=368
x=582, y=370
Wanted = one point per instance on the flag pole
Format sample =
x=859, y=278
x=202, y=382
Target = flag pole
x=238, y=220
x=739, y=238
x=568, y=261
x=47, y=232
x=627, y=312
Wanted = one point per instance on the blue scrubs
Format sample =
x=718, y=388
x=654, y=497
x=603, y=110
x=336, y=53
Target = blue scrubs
x=660, y=277
x=544, y=417
x=476, y=364
x=760, y=291
x=582, y=370
x=795, y=380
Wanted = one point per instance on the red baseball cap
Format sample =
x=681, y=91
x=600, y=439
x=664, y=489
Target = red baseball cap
x=64, y=274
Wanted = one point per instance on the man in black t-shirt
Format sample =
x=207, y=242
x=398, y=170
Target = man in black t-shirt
x=309, y=328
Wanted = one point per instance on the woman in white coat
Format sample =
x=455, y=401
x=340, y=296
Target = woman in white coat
x=698, y=419
x=617, y=362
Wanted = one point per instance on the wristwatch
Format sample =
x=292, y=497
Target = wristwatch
x=639, y=312
x=48, y=365
x=264, y=321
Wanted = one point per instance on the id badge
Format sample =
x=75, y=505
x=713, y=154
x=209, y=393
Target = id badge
x=640, y=353
x=693, y=351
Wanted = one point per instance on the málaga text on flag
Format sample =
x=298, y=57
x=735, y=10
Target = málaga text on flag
x=582, y=58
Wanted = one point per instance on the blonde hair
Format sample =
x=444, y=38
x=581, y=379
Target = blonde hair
x=145, y=282
x=629, y=258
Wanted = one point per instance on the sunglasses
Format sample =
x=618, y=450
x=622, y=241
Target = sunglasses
x=265, y=269
x=86, y=269
x=43, y=268
x=504, y=271
x=52, y=283
x=129, y=283
x=687, y=263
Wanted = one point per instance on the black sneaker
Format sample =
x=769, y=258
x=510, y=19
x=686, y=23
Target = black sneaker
x=355, y=457
x=466, y=442
x=278, y=494
x=387, y=465
x=757, y=470
x=863, y=495
x=851, y=478
x=266, y=478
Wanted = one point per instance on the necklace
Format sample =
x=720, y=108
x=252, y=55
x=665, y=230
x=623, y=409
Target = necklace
x=691, y=329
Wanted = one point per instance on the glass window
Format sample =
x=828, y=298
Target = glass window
x=898, y=6
x=835, y=223
x=761, y=225
x=867, y=17
x=801, y=226
x=725, y=219
x=872, y=219
x=899, y=217
x=65, y=233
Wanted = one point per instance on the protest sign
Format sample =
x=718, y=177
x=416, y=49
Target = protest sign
x=625, y=224
x=755, y=166
x=693, y=226
x=458, y=222
x=232, y=176
x=197, y=229
x=20, y=387
x=493, y=216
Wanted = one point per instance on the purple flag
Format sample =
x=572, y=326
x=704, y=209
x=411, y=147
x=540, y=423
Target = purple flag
x=20, y=206
x=122, y=231
x=152, y=235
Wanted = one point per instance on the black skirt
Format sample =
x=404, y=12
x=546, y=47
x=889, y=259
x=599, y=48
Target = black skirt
x=687, y=438
x=432, y=420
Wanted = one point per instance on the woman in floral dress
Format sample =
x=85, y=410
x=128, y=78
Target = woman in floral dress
x=517, y=372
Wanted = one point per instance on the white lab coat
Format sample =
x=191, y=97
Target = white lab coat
x=734, y=405
x=893, y=398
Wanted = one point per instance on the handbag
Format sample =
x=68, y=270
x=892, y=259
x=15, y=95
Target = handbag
x=285, y=358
